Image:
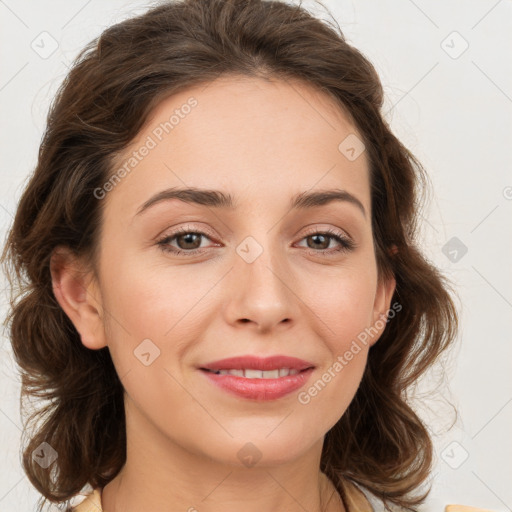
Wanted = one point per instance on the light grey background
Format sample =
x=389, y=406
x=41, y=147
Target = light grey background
x=451, y=105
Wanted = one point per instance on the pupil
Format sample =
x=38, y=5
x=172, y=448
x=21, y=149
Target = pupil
x=320, y=236
x=189, y=239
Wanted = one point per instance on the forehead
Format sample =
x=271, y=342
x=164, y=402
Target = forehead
x=254, y=107
x=247, y=136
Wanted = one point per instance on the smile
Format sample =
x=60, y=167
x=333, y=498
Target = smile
x=259, y=374
x=258, y=385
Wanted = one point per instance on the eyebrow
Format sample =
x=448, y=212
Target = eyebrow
x=219, y=199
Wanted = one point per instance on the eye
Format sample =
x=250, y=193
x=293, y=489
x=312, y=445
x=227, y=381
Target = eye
x=189, y=242
x=319, y=241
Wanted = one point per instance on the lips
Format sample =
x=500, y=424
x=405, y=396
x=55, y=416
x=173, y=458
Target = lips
x=258, y=378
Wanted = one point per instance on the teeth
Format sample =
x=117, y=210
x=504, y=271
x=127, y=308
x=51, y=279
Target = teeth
x=259, y=374
x=254, y=374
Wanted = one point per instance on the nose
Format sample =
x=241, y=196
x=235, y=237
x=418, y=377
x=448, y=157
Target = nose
x=261, y=293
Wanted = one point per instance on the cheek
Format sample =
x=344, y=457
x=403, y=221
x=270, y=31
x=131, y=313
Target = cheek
x=345, y=310
x=147, y=316
x=156, y=303
x=344, y=304
x=149, y=301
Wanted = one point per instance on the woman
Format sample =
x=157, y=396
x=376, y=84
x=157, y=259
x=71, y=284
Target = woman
x=223, y=300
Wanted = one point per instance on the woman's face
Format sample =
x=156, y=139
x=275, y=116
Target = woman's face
x=261, y=279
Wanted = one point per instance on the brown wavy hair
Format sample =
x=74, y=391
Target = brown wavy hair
x=380, y=442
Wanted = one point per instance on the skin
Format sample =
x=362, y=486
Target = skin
x=262, y=142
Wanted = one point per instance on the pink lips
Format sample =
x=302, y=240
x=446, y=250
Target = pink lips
x=259, y=389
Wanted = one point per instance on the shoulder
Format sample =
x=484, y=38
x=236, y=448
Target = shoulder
x=356, y=500
x=464, y=508
x=90, y=503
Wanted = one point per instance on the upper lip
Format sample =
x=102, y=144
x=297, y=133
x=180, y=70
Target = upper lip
x=258, y=363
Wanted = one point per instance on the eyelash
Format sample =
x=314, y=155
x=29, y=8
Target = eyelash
x=346, y=244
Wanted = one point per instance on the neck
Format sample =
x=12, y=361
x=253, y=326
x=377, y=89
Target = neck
x=163, y=476
x=230, y=492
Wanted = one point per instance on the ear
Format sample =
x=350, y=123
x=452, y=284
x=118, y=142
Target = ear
x=78, y=294
x=381, y=307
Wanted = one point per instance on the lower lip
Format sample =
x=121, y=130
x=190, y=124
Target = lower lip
x=259, y=389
